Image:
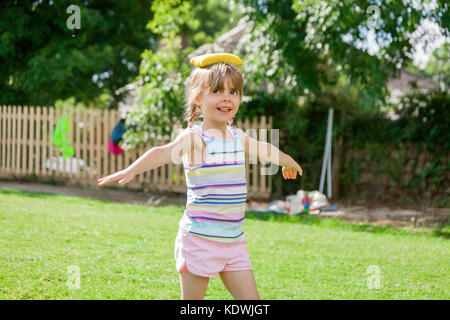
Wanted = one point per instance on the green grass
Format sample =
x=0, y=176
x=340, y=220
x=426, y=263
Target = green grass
x=126, y=252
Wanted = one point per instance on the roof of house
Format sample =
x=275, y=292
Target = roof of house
x=404, y=79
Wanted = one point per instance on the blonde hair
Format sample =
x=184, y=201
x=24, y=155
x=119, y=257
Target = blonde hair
x=209, y=79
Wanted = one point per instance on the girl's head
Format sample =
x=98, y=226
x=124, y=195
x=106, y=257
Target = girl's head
x=216, y=86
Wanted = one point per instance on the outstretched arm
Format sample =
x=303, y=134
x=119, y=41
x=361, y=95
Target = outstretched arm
x=151, y=159
x=269, y=153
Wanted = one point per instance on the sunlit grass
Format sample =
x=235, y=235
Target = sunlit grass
x=126, y=252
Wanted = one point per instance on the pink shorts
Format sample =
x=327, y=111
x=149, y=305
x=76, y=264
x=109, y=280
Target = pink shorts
x=206, y=258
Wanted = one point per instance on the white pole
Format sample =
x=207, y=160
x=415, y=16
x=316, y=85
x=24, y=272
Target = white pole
x=326, y=162
x=329, y=157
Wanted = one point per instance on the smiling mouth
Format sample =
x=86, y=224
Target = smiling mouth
x=224, y=110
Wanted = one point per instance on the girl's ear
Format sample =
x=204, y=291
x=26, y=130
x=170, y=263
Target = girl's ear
x=197, y=100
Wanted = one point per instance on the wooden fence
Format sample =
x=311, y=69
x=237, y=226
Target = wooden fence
x=26, y=149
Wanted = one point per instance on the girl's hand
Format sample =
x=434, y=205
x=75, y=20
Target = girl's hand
x=290, y=172
x=123, y=177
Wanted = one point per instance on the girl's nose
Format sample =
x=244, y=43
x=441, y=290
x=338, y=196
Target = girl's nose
x=227, y=96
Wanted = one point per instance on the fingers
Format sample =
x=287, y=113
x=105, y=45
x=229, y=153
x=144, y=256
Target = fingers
x=120, y=176
x=107, y=179
x=291, y=173
x=123, y=181
x=102, y=181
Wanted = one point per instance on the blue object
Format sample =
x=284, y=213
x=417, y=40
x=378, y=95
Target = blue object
x=332, y=207
x=118, y=131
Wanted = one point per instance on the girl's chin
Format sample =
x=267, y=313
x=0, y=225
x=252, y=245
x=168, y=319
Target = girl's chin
x=219, y=119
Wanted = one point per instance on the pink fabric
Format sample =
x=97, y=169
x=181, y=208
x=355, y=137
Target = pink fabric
x=206, y=258
x=114, y=148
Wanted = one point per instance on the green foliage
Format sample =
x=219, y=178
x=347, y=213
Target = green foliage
x=161, y=95
x=425, y=117
x=170, y=16
x=162, y=73
x=180, y=25
x=43, y=61
x=304, y=129
x=310, y=44
x=438, y=66
x=423, y=123
x=304, y=57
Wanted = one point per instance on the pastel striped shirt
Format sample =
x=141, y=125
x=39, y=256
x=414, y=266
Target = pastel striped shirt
x=216, y=190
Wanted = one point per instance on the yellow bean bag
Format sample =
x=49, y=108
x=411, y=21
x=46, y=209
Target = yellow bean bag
x=211, y=58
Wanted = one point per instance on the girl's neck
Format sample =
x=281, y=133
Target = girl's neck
x=211, y=124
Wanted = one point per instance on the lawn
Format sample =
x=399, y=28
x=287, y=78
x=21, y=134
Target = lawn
x=126, y=252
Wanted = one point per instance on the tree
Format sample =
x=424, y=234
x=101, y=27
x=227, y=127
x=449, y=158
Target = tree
x=438, y=66
x=182, y=26
x=42, y=60
x=304, y=44
x=297, y=48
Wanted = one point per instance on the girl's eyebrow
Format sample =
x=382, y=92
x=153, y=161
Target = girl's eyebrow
x=231, y=89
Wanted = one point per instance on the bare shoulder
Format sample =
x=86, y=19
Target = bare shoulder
x=194, y=147
x=193, y=139
x=185, y=140
x=192, y=144
x=241, y=135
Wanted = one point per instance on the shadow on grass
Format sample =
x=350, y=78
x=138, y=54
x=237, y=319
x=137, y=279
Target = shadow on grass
x=328, y=222
x=43, y=195
x=24, y=193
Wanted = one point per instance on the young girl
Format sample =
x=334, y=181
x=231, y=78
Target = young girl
x=210, y=240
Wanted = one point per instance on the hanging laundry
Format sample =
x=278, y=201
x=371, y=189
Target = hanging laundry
x=114, y=148
x=61, y=136
x=116, y=137
x=118, y=131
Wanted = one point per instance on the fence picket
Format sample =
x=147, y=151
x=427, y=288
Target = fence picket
x=98, y=143
x=104, y=150
x=262, y=137
x=84, y=143
x=3, y=139
x=91, y=154
x=56, y=150
x=51, y=120
x=77, y=138
x=38, y=141
x=23, y=140
x=44, y=140
x=71, y=135
x=8, y=141
x=269, y=177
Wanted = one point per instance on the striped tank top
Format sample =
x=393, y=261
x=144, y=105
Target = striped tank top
x=216, y=189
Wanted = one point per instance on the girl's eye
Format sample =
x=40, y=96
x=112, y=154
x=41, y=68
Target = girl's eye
x=234, y=92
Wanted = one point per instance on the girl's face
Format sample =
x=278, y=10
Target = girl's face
x=220, y=105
